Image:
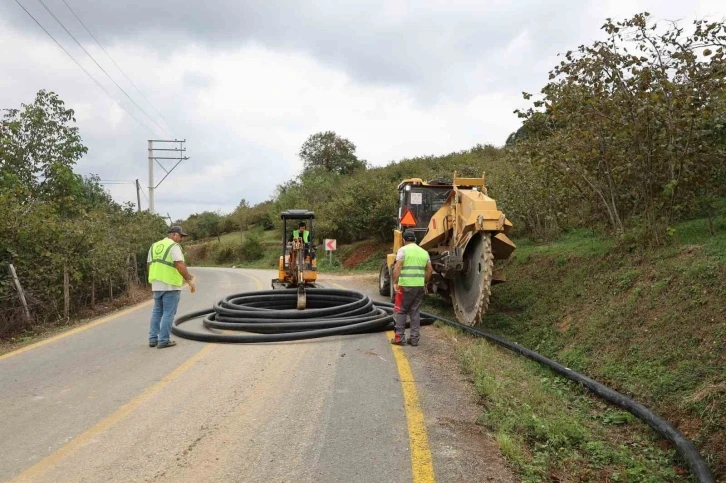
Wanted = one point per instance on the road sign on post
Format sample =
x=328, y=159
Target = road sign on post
x=330, y=247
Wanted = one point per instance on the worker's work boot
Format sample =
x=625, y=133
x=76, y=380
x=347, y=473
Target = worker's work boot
x=413, y=342
x=152, y=343
x=398, y=340
x=164, y=345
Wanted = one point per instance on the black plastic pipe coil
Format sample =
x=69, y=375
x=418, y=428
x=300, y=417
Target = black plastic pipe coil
x=272, y=316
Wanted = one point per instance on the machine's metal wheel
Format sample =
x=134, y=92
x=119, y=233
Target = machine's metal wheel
x=472, y=287
x=384, y=280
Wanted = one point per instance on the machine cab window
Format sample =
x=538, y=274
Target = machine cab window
x=417, y=204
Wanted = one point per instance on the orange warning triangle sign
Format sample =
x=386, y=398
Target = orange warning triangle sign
x=408, y=219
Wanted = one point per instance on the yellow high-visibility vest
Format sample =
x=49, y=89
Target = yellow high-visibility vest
x=413, y=271
x=162, y=266
x=306, y=235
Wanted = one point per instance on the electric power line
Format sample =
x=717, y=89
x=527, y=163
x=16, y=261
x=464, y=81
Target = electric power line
x=84, y=70
x=99, y=65
x=117, y=66
x=113, y=182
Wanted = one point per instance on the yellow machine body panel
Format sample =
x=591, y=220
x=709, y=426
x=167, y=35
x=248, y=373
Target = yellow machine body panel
x=464, y=232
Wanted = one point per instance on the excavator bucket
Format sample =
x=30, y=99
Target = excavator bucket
x=301, y=297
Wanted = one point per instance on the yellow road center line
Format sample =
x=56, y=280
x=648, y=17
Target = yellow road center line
x=422, y=466
x=108, y=422
x=71, y=332
x=257, y=280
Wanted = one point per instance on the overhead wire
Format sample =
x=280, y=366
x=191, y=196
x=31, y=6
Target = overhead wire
x=100, y=66
x=147, y=128
x=171, y=128
x=144, y=193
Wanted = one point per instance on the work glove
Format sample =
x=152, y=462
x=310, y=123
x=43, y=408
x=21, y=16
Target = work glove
x=192, y=287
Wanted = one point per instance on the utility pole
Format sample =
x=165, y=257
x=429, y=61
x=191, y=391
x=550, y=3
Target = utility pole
x=151, y=176
x=138, y=196
x=152, y=157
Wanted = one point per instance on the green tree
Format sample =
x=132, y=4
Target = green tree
x=55, y=221
x=329, y=151
x=627, y=123
x=39, y=147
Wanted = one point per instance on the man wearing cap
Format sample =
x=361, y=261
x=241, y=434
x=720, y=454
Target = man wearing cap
x=411, y=275
x=167, y=273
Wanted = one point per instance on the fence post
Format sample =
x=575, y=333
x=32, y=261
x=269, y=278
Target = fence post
x=21, y=294
x=136, y=270
x=110, y=287
x=93, y=291
x=66, y=293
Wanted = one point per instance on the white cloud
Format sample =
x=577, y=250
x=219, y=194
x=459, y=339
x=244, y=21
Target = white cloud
x=401, y=80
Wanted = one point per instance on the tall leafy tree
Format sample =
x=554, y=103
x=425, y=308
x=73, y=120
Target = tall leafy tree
x=629, y=122
x=39, y=147
x=331, y=152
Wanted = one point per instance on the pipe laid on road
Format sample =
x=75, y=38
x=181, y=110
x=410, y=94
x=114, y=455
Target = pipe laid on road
x=272, y=316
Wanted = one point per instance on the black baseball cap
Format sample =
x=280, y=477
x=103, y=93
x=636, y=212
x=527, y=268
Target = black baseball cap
x=408, y=235
x=177, y=229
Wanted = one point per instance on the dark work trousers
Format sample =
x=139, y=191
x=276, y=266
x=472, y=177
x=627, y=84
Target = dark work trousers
x=408, y=303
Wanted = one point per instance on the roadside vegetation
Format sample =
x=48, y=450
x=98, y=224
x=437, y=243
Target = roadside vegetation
x=71, y=245
x=648, y=323
x=550, y=429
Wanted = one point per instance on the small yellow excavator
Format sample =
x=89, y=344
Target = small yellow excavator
x=297, y=266
x=463, y=231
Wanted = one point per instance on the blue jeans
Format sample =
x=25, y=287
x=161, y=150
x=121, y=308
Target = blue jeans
x=165, y=305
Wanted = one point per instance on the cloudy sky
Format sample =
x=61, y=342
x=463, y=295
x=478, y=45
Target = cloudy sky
x=246, y=82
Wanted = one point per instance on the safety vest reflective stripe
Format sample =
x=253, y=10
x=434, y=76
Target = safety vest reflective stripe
x=163, y=258
x=413, y=268
x=413, y=271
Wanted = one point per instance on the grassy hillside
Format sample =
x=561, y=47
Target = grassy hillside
x=649, y=324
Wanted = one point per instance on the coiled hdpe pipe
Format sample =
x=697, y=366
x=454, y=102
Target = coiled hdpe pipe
x=272, y=316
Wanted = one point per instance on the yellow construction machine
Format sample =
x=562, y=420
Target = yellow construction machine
x=463, y=231
x=297, y=266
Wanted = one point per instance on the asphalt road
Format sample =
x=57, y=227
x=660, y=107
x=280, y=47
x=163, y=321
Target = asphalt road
x=100, y=405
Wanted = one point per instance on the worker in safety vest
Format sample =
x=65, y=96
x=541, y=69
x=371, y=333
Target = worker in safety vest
x=167, y=273
x=411, y=276
x=303, y=233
